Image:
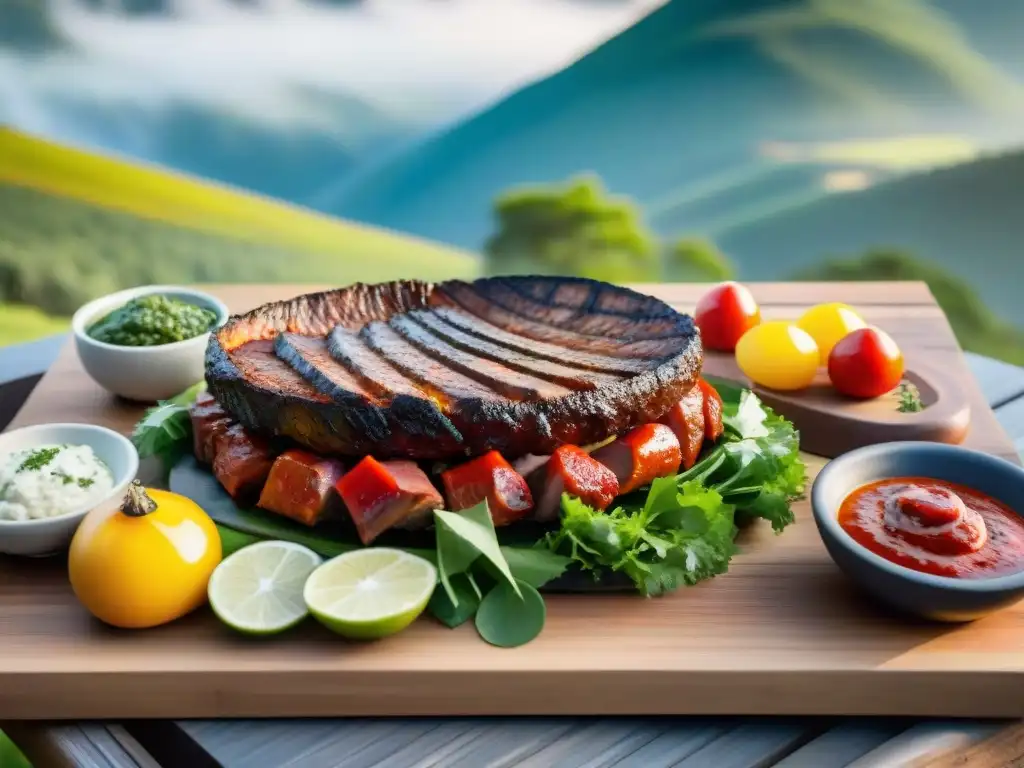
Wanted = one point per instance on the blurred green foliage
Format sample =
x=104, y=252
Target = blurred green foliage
x=697, y=260
x=56, y=253
x=578, y=229
x=977, y=328
x=575, y=229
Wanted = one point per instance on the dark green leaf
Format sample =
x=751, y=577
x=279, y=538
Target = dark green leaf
x=455, y=614
x=474, y=528
x=509, y=617
x=231, y=541
x=534, y=565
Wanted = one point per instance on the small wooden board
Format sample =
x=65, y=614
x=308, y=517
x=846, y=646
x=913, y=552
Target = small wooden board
x=781, y=633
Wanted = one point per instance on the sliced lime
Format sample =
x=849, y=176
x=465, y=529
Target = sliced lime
x=370, y=593
x=258, y=589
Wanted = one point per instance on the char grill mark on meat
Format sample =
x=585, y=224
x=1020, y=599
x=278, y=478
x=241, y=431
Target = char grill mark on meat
x=462, y=296
x=424, y=370
x=448, y=383
x=373, y=371
x=259, y=365
x=512, y=357
x=501, y=378
x=579, y=314
x=309, y=357
x=471, y=324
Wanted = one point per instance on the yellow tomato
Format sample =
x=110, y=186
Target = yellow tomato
x=778, y=355
x=146, y=562
x=828, y=323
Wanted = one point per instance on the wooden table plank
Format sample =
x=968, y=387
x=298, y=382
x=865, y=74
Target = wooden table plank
x=1001, y=383
x=927, y=740
x=1004, y=748
x=78, y=745
x=844, y=743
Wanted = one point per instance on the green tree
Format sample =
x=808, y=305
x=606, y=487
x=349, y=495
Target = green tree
x=977, y=328
x=696, y=260
x=573, y=229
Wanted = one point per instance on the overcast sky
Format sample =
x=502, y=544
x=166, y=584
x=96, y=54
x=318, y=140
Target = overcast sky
x=427, y=59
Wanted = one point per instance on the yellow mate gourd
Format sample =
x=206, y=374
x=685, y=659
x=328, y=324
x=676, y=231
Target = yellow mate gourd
x=146, y=562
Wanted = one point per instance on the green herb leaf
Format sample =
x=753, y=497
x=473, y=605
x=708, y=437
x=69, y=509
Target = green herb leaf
x=749, y=418
x=461, y=538
x=454, y=614
x=511, y=615
x=680, y=542
x=535, y=566
x=165, y=430
x=909, y=398
x=771, y=506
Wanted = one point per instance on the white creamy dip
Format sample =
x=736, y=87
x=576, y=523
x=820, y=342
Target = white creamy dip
x=51, y=480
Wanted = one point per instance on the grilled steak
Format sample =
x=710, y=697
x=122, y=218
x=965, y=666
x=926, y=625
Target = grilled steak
x=491, y=478
x=209, y=421
x=574, y=471
x=301, y=486
x=241, y=461
x=387, y=494
x=639, y=457
x=451, y=370
x=686, y=420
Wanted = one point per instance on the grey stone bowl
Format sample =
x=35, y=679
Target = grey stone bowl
x=939, y=598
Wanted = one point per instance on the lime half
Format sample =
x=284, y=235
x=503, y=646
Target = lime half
x=258, y=589
x=370, y=593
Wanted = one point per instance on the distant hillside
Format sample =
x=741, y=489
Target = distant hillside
x=687, y=94
x=967, y=219
x=74, y=225
x=283, y=161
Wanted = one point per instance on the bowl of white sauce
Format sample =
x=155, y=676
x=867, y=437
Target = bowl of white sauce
x=51, y=476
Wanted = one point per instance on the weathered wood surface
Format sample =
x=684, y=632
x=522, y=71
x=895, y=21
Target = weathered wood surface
x=623, y=741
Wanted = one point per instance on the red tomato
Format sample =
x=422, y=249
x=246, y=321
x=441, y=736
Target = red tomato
x=724, y=314
x=865, y=363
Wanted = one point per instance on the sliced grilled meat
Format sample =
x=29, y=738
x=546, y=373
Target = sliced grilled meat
x=492, y=478
x=209, y=421
x=574, y=471
x=444, y=372
x=241, y=462
x=380, y=495
x=301, y=486
x=686, y=420
x=713, y=426
x=637, y=458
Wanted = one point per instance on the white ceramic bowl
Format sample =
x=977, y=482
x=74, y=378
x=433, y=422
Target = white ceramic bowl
x=145, y=374
x=52, y=535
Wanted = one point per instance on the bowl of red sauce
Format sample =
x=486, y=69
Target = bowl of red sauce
x=931, y=529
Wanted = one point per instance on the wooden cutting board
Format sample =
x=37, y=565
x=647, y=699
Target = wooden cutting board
x=781, y=633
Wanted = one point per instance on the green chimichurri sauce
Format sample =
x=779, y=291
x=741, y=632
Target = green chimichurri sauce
x=149, y=321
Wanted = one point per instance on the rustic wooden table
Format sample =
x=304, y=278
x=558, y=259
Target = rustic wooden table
x=541, y=742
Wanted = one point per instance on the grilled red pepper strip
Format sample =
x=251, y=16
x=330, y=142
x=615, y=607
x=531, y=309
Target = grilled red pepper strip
x=648, y=452
x=713, y=426
x=492, y=478
x=383, y=495
x=686, y=420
